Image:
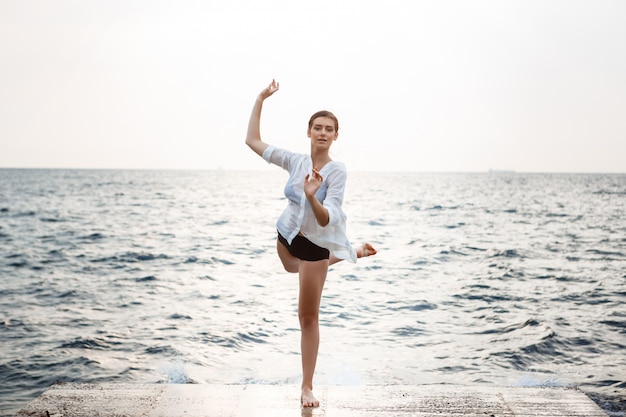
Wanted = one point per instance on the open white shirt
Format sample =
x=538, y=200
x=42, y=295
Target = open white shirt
x=298, y=217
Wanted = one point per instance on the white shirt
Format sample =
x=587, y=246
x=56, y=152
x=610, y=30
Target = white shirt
x=298, y=217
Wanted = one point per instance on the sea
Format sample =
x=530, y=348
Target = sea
x=495, y=278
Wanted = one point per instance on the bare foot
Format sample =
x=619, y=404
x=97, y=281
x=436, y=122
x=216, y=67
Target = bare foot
x=308, y=399
x=365, y=250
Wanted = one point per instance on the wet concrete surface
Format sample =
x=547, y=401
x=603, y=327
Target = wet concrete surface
x=161, y=400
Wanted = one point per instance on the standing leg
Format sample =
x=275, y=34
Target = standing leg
x=312, y=278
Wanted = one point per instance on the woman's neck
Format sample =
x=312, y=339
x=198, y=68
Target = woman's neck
x=320, y=157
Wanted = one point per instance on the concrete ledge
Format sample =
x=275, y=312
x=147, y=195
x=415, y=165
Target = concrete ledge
x=160, y=400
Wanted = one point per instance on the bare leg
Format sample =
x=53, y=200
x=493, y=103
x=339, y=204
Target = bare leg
x=290, y=262
x=362, y=251
x=312, y=278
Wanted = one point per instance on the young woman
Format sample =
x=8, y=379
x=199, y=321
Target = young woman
x=311, y=230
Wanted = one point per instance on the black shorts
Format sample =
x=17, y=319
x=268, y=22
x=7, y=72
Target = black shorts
x=302, y=248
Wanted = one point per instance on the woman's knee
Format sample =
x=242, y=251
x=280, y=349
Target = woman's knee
x=290, y=262
x=308, y=320
x=290, y=266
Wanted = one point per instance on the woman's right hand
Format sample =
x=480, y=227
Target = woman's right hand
x=269, y=90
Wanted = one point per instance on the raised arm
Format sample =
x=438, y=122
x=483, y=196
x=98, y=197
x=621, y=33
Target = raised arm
x=253, y=138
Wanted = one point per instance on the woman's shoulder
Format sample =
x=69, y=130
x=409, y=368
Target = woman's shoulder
x=335, y=171
x=286, y=151
x=276, y=153
x=336, y=166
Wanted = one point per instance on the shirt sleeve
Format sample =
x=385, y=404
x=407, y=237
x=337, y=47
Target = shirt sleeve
x=334, y=195
x=277, y=156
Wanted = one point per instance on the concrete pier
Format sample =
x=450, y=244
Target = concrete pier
x=160, y=400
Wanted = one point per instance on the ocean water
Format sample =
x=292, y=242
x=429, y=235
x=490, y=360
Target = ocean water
x=172, y=277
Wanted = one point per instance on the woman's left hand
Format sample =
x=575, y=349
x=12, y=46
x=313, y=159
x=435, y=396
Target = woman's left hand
x=312, y=183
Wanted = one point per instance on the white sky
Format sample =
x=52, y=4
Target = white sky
x=532, y=85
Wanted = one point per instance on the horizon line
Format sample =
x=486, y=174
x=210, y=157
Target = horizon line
x=221, y=169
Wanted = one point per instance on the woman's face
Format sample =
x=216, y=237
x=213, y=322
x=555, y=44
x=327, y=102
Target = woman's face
x=322, y=132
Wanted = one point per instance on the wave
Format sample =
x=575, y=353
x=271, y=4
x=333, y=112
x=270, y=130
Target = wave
x=86, y=343
x=131, y=257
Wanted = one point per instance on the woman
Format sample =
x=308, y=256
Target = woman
x=311, y=230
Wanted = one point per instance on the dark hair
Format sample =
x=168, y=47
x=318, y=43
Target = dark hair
x=324, y=113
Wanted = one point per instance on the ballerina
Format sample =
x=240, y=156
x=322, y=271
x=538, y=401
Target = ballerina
x=312, y=229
